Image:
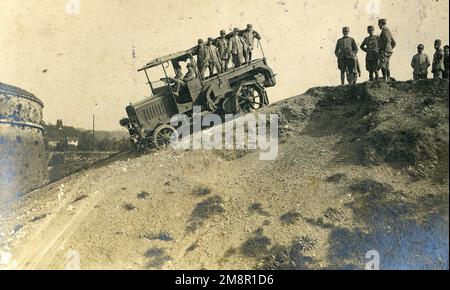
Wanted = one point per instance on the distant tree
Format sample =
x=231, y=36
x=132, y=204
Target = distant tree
x=59, y=124
x=104, y=145
x=85, y=142
x=62, y=145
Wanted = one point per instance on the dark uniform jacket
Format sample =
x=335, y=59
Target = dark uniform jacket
x=222, y=46
x=438, y=60
x=236, y=45
x=370, y=46
x=387, y=41
x=213, y=54
x=346, y=48
x=203, y=57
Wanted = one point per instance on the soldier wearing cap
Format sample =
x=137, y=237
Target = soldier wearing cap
x=249, y=36
x=202, y=57
x=181, y=82
x=446, y=61
x=214, y=57
x=190, y=75
x=346, y=50
x=438, y=60
x=386, y=49
x=370, y=47
x=420, y=63
x=224, y=51
x=236, y=45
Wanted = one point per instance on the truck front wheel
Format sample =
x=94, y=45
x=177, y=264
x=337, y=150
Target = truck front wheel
x=164, y=135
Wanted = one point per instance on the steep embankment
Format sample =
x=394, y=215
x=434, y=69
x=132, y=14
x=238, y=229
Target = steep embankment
x=359, y=168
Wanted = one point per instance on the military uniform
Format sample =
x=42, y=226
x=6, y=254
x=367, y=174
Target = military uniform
x=249, y=36
x=181, y=82
x=446, y=63
x=346, y=51
x=420, y=63
x=236, y=45
x=438, y=63
x=387, y=45
x=224, y=51
x=370, y=46
x=190, y=75
x=203, y=58
x=215, y=59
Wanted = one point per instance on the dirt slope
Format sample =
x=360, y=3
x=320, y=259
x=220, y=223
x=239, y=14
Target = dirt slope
x=359, y=168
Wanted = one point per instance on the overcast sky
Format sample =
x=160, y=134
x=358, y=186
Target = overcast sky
x=81, y=63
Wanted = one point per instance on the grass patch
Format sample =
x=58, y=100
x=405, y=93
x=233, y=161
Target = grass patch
x=143, y=195
x=161, y=236
x=290, y=218
x=257, y=208
x=128, y=207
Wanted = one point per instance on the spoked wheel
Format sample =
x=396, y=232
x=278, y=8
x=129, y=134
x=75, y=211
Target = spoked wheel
x=164, y=135
x=251, y=98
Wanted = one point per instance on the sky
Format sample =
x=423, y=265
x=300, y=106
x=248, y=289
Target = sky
x=80, y=56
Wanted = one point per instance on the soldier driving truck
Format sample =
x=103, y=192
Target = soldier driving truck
x=238, y=90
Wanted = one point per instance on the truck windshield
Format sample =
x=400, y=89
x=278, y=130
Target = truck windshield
x=155, y=74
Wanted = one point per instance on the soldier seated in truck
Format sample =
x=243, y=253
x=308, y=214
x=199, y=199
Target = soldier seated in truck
x=180, y=87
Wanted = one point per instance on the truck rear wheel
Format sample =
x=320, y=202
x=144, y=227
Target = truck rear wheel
x=251, y=98
x=164, y=135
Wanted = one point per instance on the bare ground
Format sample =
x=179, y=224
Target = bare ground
x=330, y=196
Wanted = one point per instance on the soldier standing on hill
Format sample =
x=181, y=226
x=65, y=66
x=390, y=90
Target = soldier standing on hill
x=386, y=47
x=345, y=52
x=446, y=61
x=438, y=60
x=370, y=46
x=420, y=63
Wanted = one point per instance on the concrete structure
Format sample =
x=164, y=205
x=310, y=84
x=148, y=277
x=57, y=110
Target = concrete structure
x=23, y=162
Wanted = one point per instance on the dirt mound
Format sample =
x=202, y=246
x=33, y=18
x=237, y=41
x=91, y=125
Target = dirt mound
x=404, y=124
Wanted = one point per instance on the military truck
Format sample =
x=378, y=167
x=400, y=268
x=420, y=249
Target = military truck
x=236, y=91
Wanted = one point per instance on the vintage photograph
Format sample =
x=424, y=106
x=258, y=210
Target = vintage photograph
x=224, y=135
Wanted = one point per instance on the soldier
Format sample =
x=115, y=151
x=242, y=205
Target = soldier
x=202, y=58
x=370, y=47
x=446, y=61
x=420, y=63
x=438, y=60
x=224, y=51
x=178, y=73
x=345, y=52
x=190, y=75
x=181, y=83
x=249, y=36
x=386, y=47
x=236, y=45
x=214, y=56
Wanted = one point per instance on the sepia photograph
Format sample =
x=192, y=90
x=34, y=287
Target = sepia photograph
x=256, y=136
